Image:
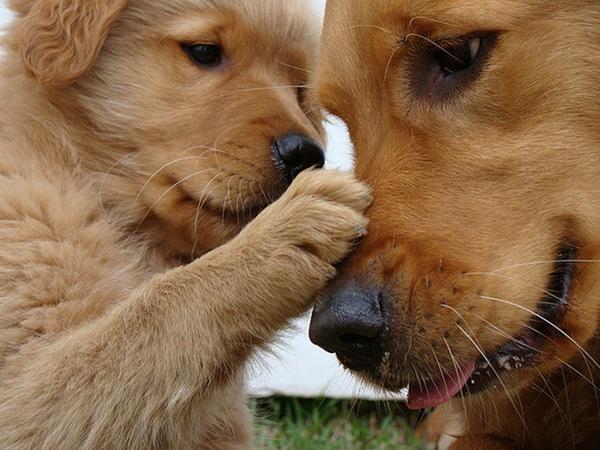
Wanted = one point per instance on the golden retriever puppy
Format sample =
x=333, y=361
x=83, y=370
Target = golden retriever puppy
x=476, y=122
x=137, y=141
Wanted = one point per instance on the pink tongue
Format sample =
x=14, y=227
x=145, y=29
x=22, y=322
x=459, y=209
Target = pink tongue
x=436, y=394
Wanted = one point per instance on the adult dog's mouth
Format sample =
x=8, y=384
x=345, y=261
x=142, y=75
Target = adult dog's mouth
x=520, y=352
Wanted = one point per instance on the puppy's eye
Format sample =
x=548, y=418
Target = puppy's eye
x=205, y=55
x=458, y=57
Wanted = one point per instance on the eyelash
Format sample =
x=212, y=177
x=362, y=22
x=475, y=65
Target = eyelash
x=441, y=69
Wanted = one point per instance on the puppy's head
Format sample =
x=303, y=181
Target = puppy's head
x=476, y=124
x=193, y=112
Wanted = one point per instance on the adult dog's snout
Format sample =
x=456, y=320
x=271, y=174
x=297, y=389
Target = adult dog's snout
x=350, y=323
x=295, y=153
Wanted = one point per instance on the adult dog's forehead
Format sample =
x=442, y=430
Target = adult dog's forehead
x=359, y=12
x=360, y=37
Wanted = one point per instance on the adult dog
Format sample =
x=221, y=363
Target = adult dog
x=477, y=125
x=135, y=137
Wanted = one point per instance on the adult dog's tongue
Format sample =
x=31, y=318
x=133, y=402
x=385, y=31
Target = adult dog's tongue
x=422, y=396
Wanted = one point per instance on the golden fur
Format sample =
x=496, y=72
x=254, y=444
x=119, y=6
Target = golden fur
x=475, y=190
x=131, y=295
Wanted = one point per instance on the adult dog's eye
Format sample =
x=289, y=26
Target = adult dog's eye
x=442, y=69
x=455, y=58
x=206, y=55
x=301, y=94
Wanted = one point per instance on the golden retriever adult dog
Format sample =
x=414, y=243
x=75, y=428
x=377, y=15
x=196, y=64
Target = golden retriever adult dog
x=477, y=124
x=137, y=139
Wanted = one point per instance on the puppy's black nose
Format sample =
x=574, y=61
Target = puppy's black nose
x=295, y=153
x=350, y=323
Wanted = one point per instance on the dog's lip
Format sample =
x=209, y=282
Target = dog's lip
x=354, y=362
x=523, y=351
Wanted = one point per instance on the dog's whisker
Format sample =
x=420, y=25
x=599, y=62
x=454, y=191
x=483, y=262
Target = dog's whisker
x=567, y=400
x=227, y=199
x=239, y=201
x=457, y=373
x=550, y=392
x=579, y=373
x=435, y=44
x=427, y=19
x=272, y=88
x=205, y=194
x=265, y=198
x=439, y=365
x=202, y=199
x=502, y=333
x=518, y=410
x=389, y=64
x=120, y=162
x=537, y=263
x=158, y=171
x=375, y=27
x=312, y=110
x=252, y=195
x=166, y=192
x=291, y=66
x=216, y=156
x=419, y=378
x=472, y=339
x=591, y=375
x=525, y=283
x=196, y=158
x=548, y=322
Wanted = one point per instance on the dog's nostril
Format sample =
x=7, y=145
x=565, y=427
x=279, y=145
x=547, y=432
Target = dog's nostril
x=295, y=153
x=356, y=340
x=350, y=323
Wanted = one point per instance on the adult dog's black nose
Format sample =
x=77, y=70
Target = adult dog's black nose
x=350, y=323
x=295, y=153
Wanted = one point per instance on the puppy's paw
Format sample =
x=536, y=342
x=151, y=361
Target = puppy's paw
x=313, y=226
x=323, y=213
x=335, y=186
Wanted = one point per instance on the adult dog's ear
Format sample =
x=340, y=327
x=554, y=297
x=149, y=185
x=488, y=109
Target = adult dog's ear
x=60, y=39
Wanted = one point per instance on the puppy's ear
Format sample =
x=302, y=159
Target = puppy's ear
x=21, y=7
x=60, y=39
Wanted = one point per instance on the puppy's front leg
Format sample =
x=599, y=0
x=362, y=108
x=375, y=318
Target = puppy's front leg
x=274, y=269
x=131, y=379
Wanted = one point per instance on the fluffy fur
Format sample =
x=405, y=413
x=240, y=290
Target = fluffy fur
x=131, y=295
x=476, y=187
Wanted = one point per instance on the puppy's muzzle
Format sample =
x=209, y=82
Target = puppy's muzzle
x=351, y=323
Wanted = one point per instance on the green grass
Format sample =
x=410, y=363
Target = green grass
x=294, y=424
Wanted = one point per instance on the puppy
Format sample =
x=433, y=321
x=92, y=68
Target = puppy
x=138, y=140
x=478, y=286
